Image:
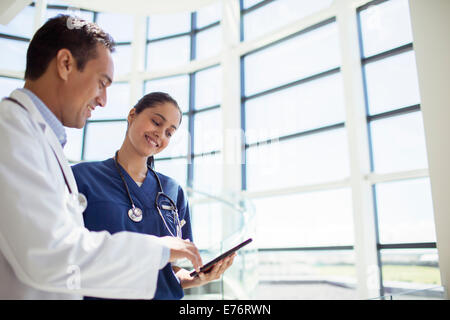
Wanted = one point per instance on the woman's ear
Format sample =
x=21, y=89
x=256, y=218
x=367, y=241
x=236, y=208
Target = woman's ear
x=131, y=116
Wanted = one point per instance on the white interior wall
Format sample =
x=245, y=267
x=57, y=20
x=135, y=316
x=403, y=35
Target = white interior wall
x=431, y=24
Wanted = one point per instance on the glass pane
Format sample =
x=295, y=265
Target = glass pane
x=174, y=168
x=72, y=149
x=208, y=131
x=122, y=60
x=306, y=160
x=407, y=270
x=306, y=275
x=168, y=54
x=208, y=173
x=118, y=103
x=8, y=85
x=209, y=43
x=250, y=3
x=207, y=226
x=119, y=26
x=103, y=139
x=161, y=25
x=261, y=20
x=398, y=143
x=21, y=25
x=209, y=14
x=292, y=59
x=392, y=83
x=379, y=21
x=179, y=142
x=405, y=211
x=177, y=87
x=296, y=109
x=13, y=55
x=208, y=87
x=312, y=219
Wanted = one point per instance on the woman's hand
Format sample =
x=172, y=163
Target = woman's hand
x=203, y=278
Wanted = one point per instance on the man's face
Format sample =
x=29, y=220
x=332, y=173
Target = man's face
x=85, y=90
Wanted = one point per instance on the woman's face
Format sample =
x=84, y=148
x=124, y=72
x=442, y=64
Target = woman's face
x=150, y=131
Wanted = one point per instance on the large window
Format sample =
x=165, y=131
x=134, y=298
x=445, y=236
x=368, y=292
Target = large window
x=295, y=137
x=404, y=212
x=258, y=16
x=193, y=157
x=14, y=39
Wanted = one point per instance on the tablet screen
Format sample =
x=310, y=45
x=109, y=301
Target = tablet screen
x=210, y=264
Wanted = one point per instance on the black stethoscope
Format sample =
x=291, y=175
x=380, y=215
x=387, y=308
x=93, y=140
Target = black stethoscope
x=135, y=214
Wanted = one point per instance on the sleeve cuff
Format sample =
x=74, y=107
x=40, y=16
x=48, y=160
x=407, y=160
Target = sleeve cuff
x=165, y=255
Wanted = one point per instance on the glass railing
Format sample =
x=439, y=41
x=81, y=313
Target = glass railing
x=429, y=293
x=237, y=215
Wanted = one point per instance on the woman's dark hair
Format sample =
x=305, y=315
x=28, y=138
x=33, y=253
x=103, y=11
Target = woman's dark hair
x=64, y=32
x=151, y=100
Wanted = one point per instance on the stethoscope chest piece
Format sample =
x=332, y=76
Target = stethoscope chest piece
x=76, y=202
x=135, y=214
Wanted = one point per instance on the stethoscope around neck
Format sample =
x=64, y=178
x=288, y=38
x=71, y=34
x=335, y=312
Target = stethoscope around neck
x=135, y=213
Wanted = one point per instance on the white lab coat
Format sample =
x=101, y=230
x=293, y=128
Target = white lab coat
x=45, y=250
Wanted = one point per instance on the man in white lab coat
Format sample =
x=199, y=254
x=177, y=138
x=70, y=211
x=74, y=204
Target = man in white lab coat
x=45, y=251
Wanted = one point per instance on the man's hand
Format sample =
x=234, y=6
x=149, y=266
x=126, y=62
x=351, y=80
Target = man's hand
x=180, y=248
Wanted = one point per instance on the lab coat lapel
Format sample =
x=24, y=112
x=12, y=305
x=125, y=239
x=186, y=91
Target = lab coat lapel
x=49, y=135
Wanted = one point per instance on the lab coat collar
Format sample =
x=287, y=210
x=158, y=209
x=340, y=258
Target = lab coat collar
x=49, y=134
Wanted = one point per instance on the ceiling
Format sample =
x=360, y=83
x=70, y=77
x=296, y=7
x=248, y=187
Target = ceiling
x=10, y=8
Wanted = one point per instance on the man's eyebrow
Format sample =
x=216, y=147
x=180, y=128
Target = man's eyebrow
x=165, y=119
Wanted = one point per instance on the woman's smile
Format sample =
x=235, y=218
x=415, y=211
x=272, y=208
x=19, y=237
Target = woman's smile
x=151, y=141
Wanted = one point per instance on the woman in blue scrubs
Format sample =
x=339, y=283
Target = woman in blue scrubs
x=115, y=185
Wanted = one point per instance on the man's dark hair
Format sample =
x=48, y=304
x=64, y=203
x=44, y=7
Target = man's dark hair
x=64, y=32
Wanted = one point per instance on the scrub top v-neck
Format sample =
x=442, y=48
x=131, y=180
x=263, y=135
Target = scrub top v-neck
x=108, y=205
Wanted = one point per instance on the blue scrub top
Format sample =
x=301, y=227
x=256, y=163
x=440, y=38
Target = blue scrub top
x=108, y=206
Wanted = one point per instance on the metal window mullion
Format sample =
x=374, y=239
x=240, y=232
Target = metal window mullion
x=241, y=20
x=369, y=4
x=83, y=141
x=393, y=113
x=321, y=248
x=191, y=126
x=386, y=54
x=172, y=36
x=255, y=7
x=205, y=109
x=295, y=83
x=293, y=35
x=191, y=145
x=107, y=120
x=209, y=26
x=243, y=126
x=12, y=37
x=171, y=158
x=297, y=135
x=366, y=261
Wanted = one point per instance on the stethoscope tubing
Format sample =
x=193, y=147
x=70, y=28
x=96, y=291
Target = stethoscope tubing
x=138, y=217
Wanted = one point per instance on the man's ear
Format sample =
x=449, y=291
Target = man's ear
x=65, y=63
